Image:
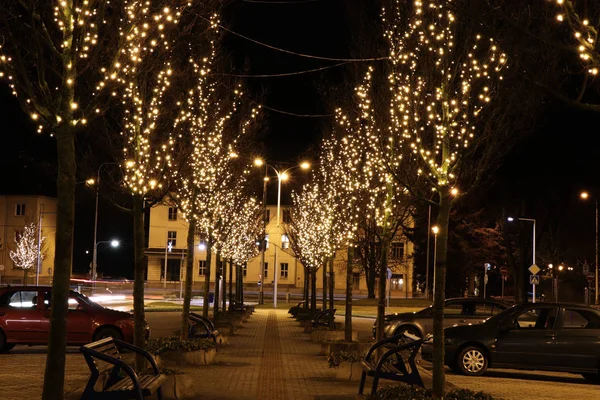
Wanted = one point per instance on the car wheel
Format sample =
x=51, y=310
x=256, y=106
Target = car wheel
x=472, y=361
x=108, y=332
x=4, y=347
x=592, y=377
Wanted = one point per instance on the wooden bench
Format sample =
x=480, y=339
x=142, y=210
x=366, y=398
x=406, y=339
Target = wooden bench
x=103, y=358
x=324, y=318
x=201, y=327
x=391, y=365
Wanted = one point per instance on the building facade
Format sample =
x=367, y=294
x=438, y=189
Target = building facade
x=15, y=213
x=167, y=252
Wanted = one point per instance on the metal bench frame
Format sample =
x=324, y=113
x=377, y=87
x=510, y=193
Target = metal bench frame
x=385, y=369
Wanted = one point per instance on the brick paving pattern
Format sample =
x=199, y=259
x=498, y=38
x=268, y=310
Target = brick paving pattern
x=271, y=358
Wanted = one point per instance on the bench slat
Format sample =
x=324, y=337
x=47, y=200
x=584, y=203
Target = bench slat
x=148, y=383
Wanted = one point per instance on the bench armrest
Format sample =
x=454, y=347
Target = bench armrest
x=383, y=342
x=200, y=321
x=117, y=362
x=389, y=353
x=135, y=349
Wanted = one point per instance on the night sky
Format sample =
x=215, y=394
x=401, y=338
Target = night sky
x=548, y=168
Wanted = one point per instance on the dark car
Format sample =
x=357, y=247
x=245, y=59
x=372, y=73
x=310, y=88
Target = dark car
x=25, y=318
x=457, y=311
x=540, y=336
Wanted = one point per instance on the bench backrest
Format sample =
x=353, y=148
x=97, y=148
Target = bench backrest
x=207, y=321
x=105, y=346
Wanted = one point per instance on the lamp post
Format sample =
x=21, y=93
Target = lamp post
x=585, y=196
x=113, y=243
x=427, y=261
x=435, y=230
x=95, y=253
x=281, y=176
x=511, y=219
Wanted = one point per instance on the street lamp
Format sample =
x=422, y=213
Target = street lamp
x=113, y=243
x=511, y=219
x=95, y=253
x=585, y=196
x=281, y=177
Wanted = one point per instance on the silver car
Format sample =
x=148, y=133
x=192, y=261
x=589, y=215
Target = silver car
x=457, y=311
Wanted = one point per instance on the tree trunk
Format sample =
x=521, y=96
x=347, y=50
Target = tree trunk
x=331, y=299
x=443, y=219
x=189, y=273
x=139, y=257
x=230, y=282
x=313, y=290
x=54, y=376
x=242, y=282
x=324, y=284
x=385, y=247
x=370, y=280
x=306, y=284
x=207, y=277
x=349, y=282
x=218, y=267
x=224, y=274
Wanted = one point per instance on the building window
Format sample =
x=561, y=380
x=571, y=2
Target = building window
x=284, y=270
x=20, y=210
x=287, y=216
x=244, y=270
x=398, y=250
x=202, y=268
x=285, y=241
x=267, y=216
x=266, y=270
x=172, y=238
x=172, y=213
x=356, y=280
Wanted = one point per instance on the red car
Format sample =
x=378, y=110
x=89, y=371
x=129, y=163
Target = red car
x=25, y=318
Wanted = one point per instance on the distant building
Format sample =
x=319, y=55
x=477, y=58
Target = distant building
x=16, y=211
x=167, y=238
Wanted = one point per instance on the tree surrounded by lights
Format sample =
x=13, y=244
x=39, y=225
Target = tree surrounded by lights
x=443, y=75
x=28, y=249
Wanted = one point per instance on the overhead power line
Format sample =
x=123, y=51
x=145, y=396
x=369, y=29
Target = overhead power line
x=293, y=52
x=284, y=73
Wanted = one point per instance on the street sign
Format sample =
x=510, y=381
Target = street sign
x=590, y=277
x=488, y=266
x=534, y=279
x=503, y=271
x=586, y=268
x=534, y=269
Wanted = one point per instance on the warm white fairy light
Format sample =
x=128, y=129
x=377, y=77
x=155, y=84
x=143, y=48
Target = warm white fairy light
x=437, y=94
x=574, y=14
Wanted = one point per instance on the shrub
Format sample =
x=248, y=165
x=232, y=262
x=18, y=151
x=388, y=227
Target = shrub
x=413, y=392
x=401, y=392
x=335, y=358
x=159, y=345
x=466, y=394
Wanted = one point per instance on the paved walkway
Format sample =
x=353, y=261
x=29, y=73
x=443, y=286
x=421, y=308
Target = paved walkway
x=272, y=358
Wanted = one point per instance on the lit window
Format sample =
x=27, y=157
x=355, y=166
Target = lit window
x=172, y=239
x=285, y=242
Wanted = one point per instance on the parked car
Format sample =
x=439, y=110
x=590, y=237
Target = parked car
x=25, y=318
x=457, y=311
x=535, y=336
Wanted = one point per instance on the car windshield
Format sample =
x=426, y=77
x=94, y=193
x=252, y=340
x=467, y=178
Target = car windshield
x=502, y=315
x=86, y=300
